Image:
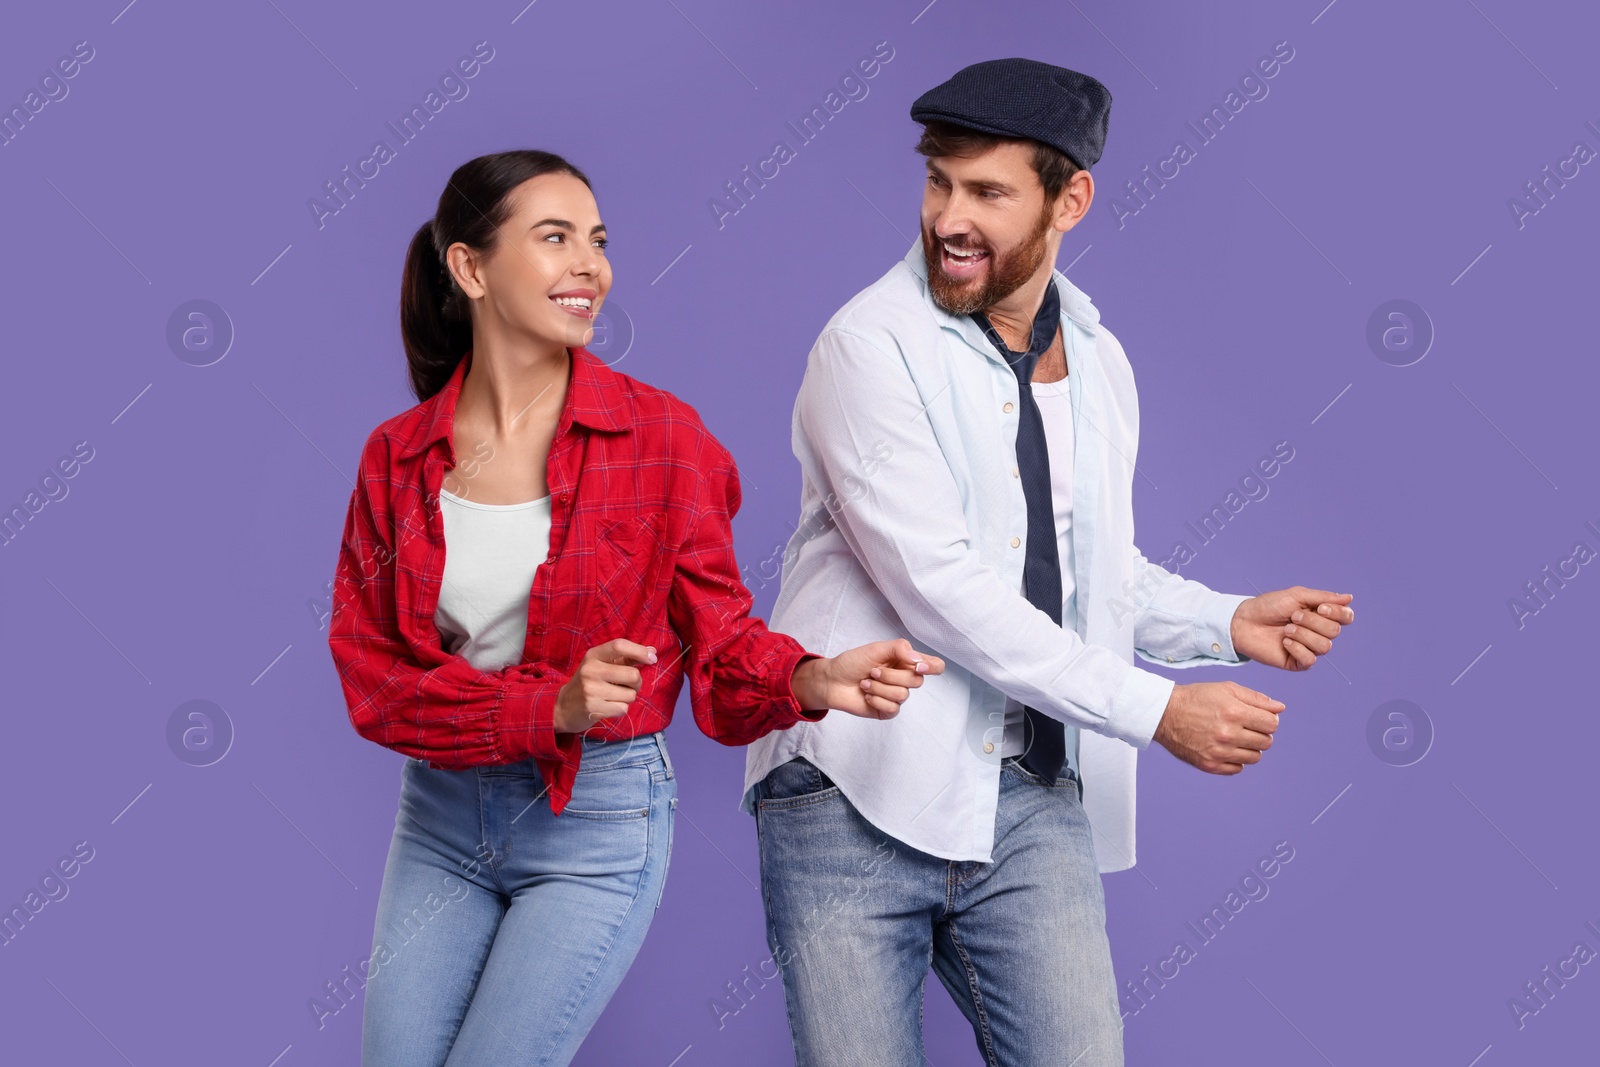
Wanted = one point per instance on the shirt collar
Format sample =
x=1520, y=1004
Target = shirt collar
x=1075, y=303
x=1046, y=324
x=595, y=399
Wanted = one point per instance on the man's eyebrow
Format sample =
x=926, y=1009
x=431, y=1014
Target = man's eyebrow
x=565, y=225
x=982, y=183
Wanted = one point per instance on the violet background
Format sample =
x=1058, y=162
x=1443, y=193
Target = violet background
x=189, y=559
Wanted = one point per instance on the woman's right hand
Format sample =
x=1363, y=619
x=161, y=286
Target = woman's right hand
x=871, y=681
x=602, y=687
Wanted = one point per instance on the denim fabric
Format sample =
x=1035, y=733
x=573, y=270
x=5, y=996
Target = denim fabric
x=502, y=930
x=855, y=919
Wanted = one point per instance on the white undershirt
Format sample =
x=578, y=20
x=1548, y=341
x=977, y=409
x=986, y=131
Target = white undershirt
x=1055, y=409
x=491, y=553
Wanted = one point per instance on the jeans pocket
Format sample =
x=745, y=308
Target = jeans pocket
x=610, y=794
x=606, y=816
x=794, y=784
x=605, y=831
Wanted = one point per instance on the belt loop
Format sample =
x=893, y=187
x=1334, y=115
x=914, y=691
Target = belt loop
x=661, y=746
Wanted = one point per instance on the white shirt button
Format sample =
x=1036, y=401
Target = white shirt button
x=1215, y=647
x=1015, y=473
x=1008, y=407
x=988, y=746
x=1016, y=542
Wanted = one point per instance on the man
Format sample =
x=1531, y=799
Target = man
x=969, y=832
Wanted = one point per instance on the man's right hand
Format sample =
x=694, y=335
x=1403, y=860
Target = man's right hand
x=1218, y=726
x=602, y=687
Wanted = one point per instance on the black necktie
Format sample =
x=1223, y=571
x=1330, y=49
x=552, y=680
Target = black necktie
x=1046, y=749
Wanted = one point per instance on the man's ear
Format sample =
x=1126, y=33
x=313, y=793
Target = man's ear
x=1074, y=200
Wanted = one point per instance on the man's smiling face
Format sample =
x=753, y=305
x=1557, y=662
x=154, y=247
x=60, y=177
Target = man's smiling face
x=985, y=226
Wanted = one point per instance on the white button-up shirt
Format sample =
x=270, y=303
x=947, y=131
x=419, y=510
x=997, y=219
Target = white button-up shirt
x=912, y=526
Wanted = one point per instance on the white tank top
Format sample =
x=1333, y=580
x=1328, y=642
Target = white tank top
x=1055, y=410
x=491, y=552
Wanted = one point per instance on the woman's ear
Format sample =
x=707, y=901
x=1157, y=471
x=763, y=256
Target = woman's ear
x=464, y=266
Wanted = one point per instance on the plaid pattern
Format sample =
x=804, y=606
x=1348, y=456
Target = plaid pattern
x=642, y=498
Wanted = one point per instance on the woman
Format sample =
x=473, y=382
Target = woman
x=529, y=670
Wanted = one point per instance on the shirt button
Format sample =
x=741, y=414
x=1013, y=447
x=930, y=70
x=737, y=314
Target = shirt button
x=1016, y=542
x=1015, y=473
x=988, y=746
x=1008, y=407
x=1215, y=647
x=538, y=630
x=565, y=497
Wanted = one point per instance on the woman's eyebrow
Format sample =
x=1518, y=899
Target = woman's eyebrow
x=565, y=225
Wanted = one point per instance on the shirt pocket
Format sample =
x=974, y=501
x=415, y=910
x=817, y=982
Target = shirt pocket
x=633, y=555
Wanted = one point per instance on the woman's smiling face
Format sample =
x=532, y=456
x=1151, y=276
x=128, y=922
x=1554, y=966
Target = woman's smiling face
x=548, y=274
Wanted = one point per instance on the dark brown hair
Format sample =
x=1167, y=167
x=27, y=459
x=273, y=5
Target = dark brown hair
x=1052, y=165
x=435, y=323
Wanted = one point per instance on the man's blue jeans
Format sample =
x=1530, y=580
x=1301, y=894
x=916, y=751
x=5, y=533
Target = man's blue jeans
x=855, y=918
x=503, y=930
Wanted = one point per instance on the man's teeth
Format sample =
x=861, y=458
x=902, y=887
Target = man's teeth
x=971, y=253
x=573, y=301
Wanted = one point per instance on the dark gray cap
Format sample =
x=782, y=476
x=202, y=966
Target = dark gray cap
x=1024, y=98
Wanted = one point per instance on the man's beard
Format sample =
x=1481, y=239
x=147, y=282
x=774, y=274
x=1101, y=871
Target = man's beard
x=1004, y=276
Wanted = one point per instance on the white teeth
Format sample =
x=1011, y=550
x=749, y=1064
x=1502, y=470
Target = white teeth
x=957, y=253
x=573, y=301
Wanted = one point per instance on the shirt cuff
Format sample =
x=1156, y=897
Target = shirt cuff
x=1138, y=707
x=786, y=708
x=1213, y=629
x=525, y=725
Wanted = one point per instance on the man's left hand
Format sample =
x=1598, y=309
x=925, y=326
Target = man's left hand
x=1290, y=628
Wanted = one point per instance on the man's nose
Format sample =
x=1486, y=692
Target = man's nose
x=952, y=221
x=947, y=226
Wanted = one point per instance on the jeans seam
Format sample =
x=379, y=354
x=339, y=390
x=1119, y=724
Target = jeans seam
x=772, y=926
x=672, y=807
x=922, y=1001
x=666, y=760
x=605, y=950
x=977, y=997
x=468, y=994
x=496, y=860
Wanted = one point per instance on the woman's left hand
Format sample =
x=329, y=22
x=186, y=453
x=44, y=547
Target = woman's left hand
x=871, y=681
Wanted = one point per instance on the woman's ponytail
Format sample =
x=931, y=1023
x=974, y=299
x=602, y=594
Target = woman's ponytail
x=433, y=323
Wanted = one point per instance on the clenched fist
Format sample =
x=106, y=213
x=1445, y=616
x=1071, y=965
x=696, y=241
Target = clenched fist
x=1218, y=726
x=602, y=687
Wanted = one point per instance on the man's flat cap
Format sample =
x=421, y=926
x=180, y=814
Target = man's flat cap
x=1024, y=98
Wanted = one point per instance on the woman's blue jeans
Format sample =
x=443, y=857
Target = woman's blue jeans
x=503, y=930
